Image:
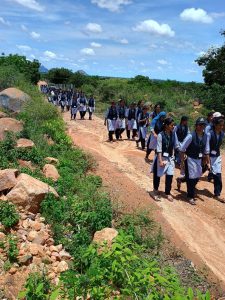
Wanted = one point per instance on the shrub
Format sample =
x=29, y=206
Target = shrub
x=8, y=214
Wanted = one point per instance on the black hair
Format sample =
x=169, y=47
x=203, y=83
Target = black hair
x=157, y=104
x=184, y=118
x=210, y=114
x=167, y=121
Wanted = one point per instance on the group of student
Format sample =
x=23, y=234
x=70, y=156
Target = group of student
x=73, y=101
x=193, y=152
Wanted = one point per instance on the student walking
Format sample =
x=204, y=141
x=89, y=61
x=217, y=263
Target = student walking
x=216, y=135
x=82, y=101
x=143, y=122
x=131, y=121
x=196, y=148
x=164, y=161
x=121, y=124
x=91, y=106
x=111, y=120
x=74, y=107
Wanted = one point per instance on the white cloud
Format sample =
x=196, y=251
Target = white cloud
x=32, y=56
x=96, y=45
x=153, y=46
x=111, y=5
x=35, y=35
x=81, y=60
x=191, y=71
x=50, y=54
x=124, y=41
x=24, y=47
x=162, y=62
x=94, y=28
x=23, y=27
x=151, y=26
x=4, y=22
x=87, y=51
x=196, y=15
x=32, y=4
x=217, y=15
x=201, y=53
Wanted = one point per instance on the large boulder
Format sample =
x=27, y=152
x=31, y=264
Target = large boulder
x=13, y=99
x=105, y=235
x=29, y=192
x=9, y=124
x=24, y=143
x=50, y=171
x=8, y=179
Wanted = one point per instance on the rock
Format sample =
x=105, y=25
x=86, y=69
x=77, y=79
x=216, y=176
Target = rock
x=36, y=225
x=36, y=249
x=2, y=114
x=13, y=99
x=56, y=255
x=49, y=140
x=59, y=247
x=29, y=192
x=26, y=164
x=24, y=143
x=51, y=276
x=62, y=267
x=2, y=236
x=64, y=255
x=106, y=234
x=32, y=235
x=13, y=270
x=50, y=171
x=9, y=124
x=52, y=160
x=53, y=248
x=8, y=179
x=25, y=259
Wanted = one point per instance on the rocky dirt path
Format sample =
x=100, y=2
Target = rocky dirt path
x=199, y=231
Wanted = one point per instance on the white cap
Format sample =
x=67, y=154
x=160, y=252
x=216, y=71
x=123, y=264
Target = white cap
x=217, y=114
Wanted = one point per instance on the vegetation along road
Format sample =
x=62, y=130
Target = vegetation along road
x=199, y=231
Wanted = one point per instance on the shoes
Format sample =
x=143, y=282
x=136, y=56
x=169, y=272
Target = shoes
x=169, y=198
x=220, y=199
x=155, y=195
x=192, y=201
x=137, y=144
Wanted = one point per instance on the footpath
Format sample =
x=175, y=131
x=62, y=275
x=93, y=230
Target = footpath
x=198, y=231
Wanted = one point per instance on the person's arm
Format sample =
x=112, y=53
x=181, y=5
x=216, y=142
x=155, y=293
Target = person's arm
x=159, y=150
x=183, y=146
x=206, y=158
x=106, y=116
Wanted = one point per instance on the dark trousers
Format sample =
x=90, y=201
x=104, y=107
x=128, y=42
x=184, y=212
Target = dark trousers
x=90, y=115
x=148, y=151
x=142, y=140
x=73, y=116
x=134, y=132
x=191, y=183
x=111, y=135
x=217, y=184
x=82, y=114
x=119, y=132
x=156, y=180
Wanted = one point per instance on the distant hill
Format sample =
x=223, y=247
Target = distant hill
x=42, y=69
x=82, y=72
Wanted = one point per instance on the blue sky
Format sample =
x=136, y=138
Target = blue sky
x=160, y=39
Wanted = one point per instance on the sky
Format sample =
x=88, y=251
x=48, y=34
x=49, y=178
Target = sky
x=160, y=39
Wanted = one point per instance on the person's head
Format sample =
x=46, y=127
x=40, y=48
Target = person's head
x=210, y=116
x=200, y=124
x=157, y=108
x=184, y=120
x=218, y=124
x=113, y=103
x=145, y=108
x=168, y=124
x=140, y=103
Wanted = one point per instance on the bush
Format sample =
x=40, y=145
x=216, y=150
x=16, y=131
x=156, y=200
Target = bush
x=8, y=214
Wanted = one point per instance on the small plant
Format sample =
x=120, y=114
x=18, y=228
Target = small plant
x=8, y=214
x=12, y=250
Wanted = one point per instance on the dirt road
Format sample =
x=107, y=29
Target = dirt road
x=199, y=231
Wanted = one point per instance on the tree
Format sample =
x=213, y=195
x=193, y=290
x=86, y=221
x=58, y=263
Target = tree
x=78, y=79
x=140, y=79
x=30, y=69
x=59, y=75
x=214, y=63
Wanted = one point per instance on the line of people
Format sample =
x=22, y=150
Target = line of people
x=73, y=101
x=174, y=145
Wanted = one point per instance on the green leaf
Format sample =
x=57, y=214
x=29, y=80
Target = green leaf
x=22, y=294
x=54, y=295
x=39, y=287
x=190, y=294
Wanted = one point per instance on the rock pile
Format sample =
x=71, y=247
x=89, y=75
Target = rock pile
x=37, y=252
